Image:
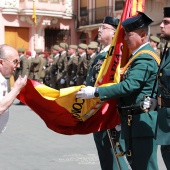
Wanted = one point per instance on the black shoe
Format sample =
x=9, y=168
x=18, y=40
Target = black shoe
x=20, y=103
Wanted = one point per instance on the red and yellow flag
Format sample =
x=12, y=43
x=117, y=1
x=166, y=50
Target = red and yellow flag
x=34, y=17
x=65, y=114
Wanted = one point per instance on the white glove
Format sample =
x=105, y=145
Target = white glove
x=62, y=81
x=75, y=78
x=84, y=82
x=149, y=103
x=86, y=93
x=71, y=83
x=118, y=127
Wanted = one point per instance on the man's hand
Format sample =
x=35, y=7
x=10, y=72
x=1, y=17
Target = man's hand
x=86, y=93
x=20, y=82
x=149, y=103
x=62, y=81
x=71, y=82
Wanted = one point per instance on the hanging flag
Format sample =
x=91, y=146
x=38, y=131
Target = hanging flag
x=65, y=114
x=34, y=17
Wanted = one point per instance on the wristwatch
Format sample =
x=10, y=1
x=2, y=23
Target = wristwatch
x=96, y=93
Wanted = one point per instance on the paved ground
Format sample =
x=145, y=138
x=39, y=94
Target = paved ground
x=28, y=144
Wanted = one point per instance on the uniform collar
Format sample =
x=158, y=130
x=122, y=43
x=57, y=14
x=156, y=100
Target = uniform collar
x=135, y=51
x=2, y=78
x=105, y=49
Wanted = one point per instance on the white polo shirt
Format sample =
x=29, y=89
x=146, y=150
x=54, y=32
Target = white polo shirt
x=3, y=91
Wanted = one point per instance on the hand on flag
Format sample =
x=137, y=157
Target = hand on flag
x=86, y=93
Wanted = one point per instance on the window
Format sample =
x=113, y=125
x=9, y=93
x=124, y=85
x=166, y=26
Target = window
x=119, y=4
x=83, y=8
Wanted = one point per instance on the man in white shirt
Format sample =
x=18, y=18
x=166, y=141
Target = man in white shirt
x=9, y=61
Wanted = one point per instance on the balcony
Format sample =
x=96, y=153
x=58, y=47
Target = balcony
x=94, y=16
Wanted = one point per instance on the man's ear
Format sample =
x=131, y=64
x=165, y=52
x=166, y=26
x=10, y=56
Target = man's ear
x=1, y=61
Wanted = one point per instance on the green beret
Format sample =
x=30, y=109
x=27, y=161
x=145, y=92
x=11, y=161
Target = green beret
x=83, y=46
x=64, y=45
x=73, y=47
x=92, y=46
x=56, y=47
x=155, y=39
x=21, y=50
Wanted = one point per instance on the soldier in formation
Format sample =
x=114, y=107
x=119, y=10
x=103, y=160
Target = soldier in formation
x=66, y=65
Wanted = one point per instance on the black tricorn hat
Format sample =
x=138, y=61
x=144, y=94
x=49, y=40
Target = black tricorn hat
x=167, y=12
x=111, y=21
x=136, y=22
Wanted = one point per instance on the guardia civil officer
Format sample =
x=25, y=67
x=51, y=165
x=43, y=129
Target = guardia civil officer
x=163, y=95
x=108, y=160
x=138, y=128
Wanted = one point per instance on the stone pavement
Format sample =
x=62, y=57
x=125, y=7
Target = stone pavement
x=27, y=144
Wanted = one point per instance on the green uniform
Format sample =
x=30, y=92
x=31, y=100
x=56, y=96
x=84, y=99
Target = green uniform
x=163, y=121
x=138, y=81
x=103, y=145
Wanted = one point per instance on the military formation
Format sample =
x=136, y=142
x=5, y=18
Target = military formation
x=65, y=66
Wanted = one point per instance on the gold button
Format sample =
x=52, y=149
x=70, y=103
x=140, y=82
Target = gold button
x=160, y=74
x=105, y=96
x=160, y=95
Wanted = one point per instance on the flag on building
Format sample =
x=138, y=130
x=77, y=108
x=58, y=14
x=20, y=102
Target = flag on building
x=65, y=114
x=34, y=17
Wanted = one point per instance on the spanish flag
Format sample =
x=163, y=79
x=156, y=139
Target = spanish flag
x=65, y=114
x=34, y=17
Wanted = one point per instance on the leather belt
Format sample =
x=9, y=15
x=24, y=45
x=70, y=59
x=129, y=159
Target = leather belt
x=163, y=102
x=130, y=111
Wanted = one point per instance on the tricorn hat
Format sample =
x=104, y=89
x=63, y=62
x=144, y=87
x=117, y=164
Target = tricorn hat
x=135, y=22
x=111, y=21
x=167, y=12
